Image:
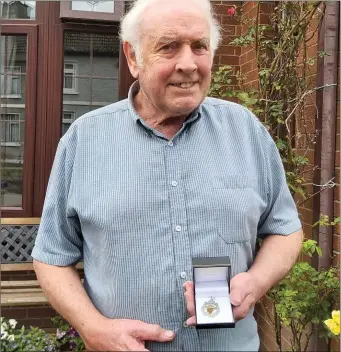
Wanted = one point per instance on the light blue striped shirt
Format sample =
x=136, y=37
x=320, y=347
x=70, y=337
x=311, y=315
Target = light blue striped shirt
x=136, y=207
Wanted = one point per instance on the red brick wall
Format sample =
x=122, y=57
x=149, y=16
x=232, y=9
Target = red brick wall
x=305, y=143
x=248, y=65
x=37, y=316
x=228, y=54
x=30, y=315
x=248, y=61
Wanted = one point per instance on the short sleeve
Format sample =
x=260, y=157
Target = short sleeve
x=59, y=239
x=280, y=216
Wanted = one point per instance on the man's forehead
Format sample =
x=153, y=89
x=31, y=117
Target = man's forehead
x=174, y=21
x=171, y=37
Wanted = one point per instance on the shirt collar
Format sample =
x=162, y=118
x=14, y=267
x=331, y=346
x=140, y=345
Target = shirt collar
x=134, y=89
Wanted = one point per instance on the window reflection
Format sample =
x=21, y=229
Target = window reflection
x=13, y=65
x=91, y=62
x=93, y=6
x=18, y=9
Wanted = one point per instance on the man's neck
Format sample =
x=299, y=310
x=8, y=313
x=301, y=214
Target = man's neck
x=167, y=125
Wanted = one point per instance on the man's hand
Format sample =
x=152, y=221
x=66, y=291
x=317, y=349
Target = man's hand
x=243, y=296
x=124, y=335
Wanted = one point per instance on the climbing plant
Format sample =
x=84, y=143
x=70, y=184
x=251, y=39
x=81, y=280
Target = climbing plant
x=285, y=86
x=285, y=83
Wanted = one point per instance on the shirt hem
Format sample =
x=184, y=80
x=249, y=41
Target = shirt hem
x=54, y=259
x=282, y=231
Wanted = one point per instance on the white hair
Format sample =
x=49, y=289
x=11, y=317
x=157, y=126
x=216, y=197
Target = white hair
x=131, y=23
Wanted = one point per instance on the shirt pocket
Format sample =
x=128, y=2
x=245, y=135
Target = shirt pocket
x=233, y=207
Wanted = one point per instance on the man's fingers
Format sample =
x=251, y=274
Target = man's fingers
x=189, y=297
x=135, y=345
x=238, y=291
x=242, y=310
x=191, y=321
x=151, y=332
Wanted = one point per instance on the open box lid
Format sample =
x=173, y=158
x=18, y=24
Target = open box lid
x=211, y=269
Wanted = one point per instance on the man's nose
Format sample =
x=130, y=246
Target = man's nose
x=186, y=61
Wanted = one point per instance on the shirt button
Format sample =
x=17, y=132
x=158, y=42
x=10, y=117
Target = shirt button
x=170, y=143
x=178, y=228
x=174, y=183
x=183, y=275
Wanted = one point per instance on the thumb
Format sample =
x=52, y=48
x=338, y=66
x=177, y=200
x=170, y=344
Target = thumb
x=152, y=332
x=237, y=294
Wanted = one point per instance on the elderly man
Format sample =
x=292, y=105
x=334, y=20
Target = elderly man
x=140, y=187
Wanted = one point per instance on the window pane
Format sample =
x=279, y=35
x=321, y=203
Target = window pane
x=69, y=81
x=15, y=132
x=15, y=85
x=18, y=9
x=65, y=127
x=68, y=115
x=106, y=50
x=92, y=80
x=94, y=6
x=11, y=81
x=12, y=137
x=68, y=66
x=13, y=65
x=104, y=91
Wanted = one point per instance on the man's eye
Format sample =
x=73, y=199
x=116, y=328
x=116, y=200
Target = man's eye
x=168, y=47
x=200, y=46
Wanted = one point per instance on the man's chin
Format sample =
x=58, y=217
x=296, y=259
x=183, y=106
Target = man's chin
x=184, y=108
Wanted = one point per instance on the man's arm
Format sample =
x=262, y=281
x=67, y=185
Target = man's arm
x=274, y=260
x=276, y=257
x=65, y=292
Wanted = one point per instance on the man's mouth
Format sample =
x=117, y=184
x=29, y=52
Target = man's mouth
x=184, y=85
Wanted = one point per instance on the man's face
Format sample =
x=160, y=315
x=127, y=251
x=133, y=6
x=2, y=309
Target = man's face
x=175, y=48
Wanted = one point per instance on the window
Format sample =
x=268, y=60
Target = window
x=10, y=127
x=70, y=79
x=46, y=87
x=91, y=67
x=18, y=9
x=68, y=118
x=18, y=63
x=11, y=82
x=93, y=6
x=99, y=10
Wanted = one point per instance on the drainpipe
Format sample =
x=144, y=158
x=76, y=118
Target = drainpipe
x=326, y=100
x=325, y=125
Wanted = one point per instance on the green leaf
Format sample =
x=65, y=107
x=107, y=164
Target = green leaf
x=281, y=144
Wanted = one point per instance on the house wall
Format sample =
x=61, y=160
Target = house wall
x=227, y=54
x=248, y=66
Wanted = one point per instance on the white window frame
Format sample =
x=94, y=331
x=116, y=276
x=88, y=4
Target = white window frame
x=74, y=71
x=64, y=120
x=13, y=161
x=16, y=121
x=12, y=69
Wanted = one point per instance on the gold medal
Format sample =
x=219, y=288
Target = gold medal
x=210, y=308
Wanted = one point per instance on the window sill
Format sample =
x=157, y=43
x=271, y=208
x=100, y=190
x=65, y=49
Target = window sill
x=12, y=96
x=10, y=144
x=70, y=92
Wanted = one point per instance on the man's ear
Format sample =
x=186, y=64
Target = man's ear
x=131, y=59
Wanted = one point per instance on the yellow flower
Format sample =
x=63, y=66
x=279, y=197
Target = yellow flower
x=336, y=316
x=334, y=323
